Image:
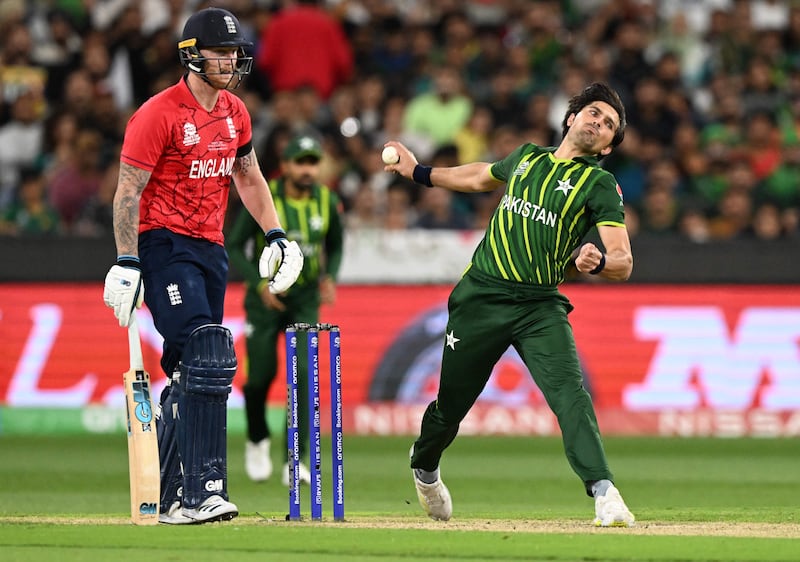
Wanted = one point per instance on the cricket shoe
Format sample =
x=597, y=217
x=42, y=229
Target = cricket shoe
x=174, y=516
x=434, y=498
x=304, y=473
x=257, y=463
x=611, y=511
x=214, y=508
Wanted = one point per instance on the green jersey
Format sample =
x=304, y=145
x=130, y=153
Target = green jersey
x=548, y=207
x=315, y=223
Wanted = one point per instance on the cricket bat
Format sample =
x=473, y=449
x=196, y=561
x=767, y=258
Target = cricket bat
x=143, y=463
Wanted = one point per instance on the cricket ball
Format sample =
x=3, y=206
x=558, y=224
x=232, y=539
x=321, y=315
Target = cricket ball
x=390, y=155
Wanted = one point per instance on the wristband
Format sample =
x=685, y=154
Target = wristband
x=422, y=175
x=274, y=234
x=131, y=262
x=600, y=265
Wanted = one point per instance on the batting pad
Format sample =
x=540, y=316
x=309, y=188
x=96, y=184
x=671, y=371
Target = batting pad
x=207, y=368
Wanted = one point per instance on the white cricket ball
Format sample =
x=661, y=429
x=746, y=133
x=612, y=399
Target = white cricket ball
x=390, y=155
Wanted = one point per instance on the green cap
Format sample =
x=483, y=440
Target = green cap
x=302, y=146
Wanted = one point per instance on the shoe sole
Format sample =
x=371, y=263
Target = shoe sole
x=215, y=518
x=598, y=523
x=182, y=521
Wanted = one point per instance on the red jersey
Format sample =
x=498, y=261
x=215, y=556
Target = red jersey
x=190, y=153
x=303, y=46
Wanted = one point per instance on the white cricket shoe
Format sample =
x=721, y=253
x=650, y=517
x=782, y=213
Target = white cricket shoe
x=611, y=511
x=213, y=508
x=304, y=473
x=175, y=516
x=257, y=462
x=434, y=498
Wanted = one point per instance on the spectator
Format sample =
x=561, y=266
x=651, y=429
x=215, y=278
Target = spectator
x=571, y=82
x=659, y=211
x=393, y=127
x=472, y=141
x=390, y=55
x=21, y=141
x=693, y=225
x=761, y=148
x=734, y=215
x=766, y=223
x=19, y=73
x=439, y=114
x=78, y=99
x=72, y=184
x=649, y=111
x=535, y=123
x=371, y=96
x=630, y=66
x=505, y=105
x=438, y=212
x=401, y=212
x=761, y=93
x=303, y=45
x=60, y=130
x=489, y=55
x=780, y=186
x=627, y=167
x=364, y=213
x=684, y=47
x=451, y=212
x=58, y=51
x=97, y=215
x=29, y=213
x=790, y=36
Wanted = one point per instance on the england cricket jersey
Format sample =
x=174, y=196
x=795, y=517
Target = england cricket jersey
x=549, y=205
x=190, y=153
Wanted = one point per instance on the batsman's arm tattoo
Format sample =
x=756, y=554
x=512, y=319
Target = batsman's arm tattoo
x=243, y=164
x=130, y=185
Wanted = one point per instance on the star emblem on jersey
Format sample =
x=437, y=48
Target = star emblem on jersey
x=452, y=340
x=565, y=186
x=316, y=222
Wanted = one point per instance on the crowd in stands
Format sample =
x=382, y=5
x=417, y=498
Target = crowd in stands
x=711, y=87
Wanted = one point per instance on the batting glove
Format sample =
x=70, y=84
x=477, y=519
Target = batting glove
x=281, y=261
x=124, y=290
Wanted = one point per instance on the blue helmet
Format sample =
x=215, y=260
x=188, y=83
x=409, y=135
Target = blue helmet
x=211, y=28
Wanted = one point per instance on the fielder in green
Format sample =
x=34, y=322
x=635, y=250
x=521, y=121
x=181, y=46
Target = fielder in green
x=311, y=215
x=509, y=294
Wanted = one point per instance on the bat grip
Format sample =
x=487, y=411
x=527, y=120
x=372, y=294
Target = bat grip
x=135, y=344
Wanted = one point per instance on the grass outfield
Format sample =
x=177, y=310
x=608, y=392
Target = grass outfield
x=66, y=498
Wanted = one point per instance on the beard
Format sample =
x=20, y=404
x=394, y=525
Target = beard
x=304, y=182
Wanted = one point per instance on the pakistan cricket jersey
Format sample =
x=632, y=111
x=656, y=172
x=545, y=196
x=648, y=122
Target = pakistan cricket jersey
x=314, y=222
x=549, y=205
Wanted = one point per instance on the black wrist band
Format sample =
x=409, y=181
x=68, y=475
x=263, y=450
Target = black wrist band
x=129, y=261
x=422, y=175
x=274, y=234
x=600, y=266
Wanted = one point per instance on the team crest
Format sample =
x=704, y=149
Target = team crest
x=190, y=136
x=521, y=168
x=565, y=186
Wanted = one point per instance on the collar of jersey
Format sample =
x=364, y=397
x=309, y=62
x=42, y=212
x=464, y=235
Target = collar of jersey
x=588, y=160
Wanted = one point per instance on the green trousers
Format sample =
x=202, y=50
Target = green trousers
x=486, y=316
x=264, y=334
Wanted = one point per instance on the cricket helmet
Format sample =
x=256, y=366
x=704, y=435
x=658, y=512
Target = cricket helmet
x=208, y=29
